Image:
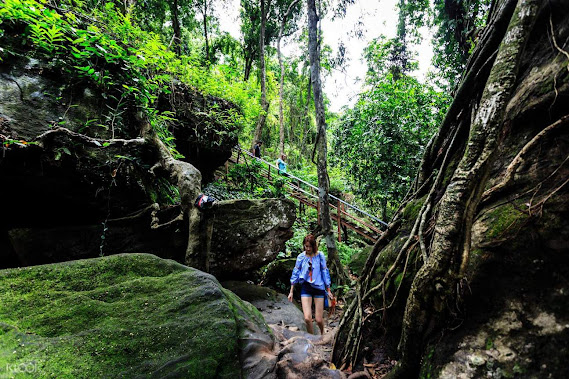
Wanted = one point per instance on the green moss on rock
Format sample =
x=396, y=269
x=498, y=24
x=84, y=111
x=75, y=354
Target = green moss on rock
x=120, y=316
x=358, y=260
x=506, y=219
x=412, y=209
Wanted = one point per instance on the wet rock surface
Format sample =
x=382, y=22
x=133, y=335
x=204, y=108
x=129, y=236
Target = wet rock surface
x=297, y=354
x=274, y=306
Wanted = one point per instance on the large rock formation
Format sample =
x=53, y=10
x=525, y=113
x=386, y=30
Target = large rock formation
x=277, y=274
x=73, y=197
x=132, y=315
x=203, y=146
x=246, y=235
x=76, y=188
x=68, y=175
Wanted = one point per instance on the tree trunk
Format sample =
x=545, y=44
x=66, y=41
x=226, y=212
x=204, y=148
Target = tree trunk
x=205, y=32
x=248, y=66
x=451, y=180
x=453, y=224
x=177, y=29
x=322, y=165
x=188, y=180
x=281, y=65
x=264, y=103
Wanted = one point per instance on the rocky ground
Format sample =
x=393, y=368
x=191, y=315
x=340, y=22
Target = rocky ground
x=298, y=353
x=302, y=354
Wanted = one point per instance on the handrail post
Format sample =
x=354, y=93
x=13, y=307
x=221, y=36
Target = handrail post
x=339, y=211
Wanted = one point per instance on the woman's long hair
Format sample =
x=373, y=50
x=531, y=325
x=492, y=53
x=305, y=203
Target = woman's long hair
x=312, y=241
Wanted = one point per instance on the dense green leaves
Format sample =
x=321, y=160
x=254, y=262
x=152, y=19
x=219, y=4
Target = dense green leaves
x=380, y=140
x=128, y=64
x=457, y=24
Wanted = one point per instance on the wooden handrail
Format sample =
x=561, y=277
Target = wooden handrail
x=295, y=190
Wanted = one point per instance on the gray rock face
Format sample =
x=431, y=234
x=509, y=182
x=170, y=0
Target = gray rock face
x=274, y=306
x=248, y=234
x=505, y=347
x=32, y=101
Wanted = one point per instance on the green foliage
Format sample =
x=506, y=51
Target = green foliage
x=250, y=181
x=294, y=245
x=130, y=66
x=8, y=142
x=457, y=29
x=346, y=251
x=380, y=140
x=248, y=177
x=456, y=24
x=251, y=25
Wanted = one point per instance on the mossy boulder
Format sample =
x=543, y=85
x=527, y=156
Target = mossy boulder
x=132, y=315
x=248, y=234
x=358, y=260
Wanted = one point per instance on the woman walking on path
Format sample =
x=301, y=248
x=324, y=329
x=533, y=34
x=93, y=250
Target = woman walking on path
x=311, y=273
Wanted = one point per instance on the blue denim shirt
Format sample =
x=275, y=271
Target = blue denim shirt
x=320, y=278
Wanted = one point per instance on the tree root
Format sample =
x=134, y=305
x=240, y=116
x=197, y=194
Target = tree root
x=449, y=248
x=542, y=202
x=463, y=194
x=555, y=41
x=97, y=142
x=155, y=221
x=519, y=160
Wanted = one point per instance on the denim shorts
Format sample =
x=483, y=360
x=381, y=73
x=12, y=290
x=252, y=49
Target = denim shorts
x=306, y=290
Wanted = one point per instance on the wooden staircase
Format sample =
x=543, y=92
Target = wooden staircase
x=344, y=214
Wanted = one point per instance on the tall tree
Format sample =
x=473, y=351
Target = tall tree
x=322, y=162
x=250, y=20
x=177, y=38
x=379, y=141
x=264, y=102
x=281, y=65
x=427, y=252
x=203, y=7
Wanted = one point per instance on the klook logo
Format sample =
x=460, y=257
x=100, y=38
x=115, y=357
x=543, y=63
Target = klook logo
x=21, y=368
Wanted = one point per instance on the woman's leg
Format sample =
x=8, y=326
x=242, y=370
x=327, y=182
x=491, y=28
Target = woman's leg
x=319, y=312
x=307, y=310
